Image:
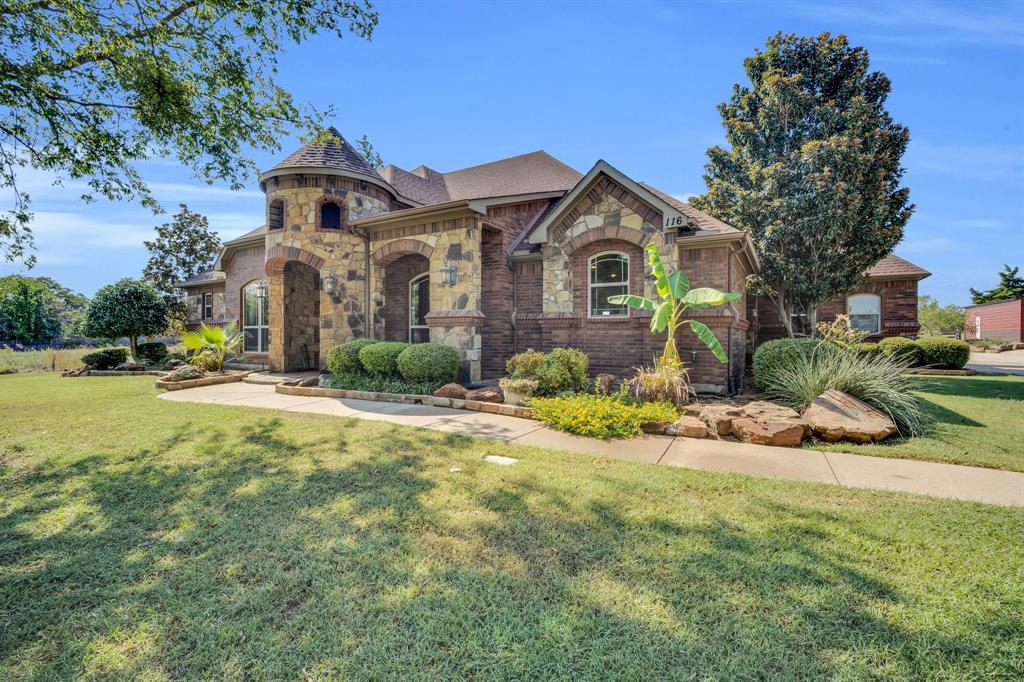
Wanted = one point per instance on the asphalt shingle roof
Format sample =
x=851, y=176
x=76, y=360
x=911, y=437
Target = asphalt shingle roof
x=706, y=224
x=894, y=266
x=333, y=153
x=208, y=277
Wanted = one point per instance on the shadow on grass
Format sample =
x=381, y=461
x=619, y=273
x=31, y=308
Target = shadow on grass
x=251, y=566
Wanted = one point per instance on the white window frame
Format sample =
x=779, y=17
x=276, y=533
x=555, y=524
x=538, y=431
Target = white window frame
x=878, y=315
x=258, y=328
x=208, y=306
x=413, y=283
x=591, y=285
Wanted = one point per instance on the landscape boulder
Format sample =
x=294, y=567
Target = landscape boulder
x=655, y=427
x=487, y=394
x=719, y=418
x=605, y=381
x=687, y=426
x=131, y=367
x=451, y=391
x=781, y=432
x=835, y=416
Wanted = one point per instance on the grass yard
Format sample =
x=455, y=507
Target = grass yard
x=979, y=421
x=146, y=539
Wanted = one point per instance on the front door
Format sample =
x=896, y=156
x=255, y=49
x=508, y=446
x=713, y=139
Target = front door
x=419, y=306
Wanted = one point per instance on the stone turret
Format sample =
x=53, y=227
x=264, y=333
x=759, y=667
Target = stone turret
x=316, y=264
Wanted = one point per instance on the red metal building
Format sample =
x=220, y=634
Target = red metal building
x=1002, y=320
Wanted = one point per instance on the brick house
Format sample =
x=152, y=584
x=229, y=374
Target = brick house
x=493, y=260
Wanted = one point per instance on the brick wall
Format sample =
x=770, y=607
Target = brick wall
x=244, y=265
x=397, y=276
x=496, y=303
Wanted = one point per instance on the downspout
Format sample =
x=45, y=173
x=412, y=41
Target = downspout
x=367, y=313
x=731, y=382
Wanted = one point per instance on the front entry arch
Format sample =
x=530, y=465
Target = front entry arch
x=406, y=282
x=419, y=306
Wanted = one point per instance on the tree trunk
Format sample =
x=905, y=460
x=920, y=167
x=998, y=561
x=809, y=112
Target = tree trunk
x=134, y=343
x=785, y=314
x=812, y=319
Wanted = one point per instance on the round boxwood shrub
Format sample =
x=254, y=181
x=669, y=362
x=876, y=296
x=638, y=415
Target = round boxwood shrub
x=868, y=350
x=344, y=359
x=105, y=358
x=899, y=348
x=773, y=355
x=941, y=353
x=151, y=353
x=429, y=362
x=382, y=358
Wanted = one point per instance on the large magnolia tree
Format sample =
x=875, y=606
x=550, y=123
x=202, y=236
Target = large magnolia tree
x=812, y=170
x=89, y=88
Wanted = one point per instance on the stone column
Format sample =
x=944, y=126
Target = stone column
x=275, y=310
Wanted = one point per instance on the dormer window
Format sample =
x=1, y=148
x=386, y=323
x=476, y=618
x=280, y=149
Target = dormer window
x=275, y=214
x=330, y=216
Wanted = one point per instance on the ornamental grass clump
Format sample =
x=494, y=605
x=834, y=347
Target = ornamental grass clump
x=662, y=383
x=600, y=416
x=882, y=381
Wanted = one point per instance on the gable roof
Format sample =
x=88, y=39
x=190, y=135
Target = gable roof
x=701, y=222
x=669, y=213
x=333, y=152
x=534, y=173
x=248, y=236
x=894, y=267
x=208, y=277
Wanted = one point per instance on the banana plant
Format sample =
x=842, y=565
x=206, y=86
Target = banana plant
x=676, y=298
x=219, y=341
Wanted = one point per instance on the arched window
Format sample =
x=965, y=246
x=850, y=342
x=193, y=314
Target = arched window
x=275, y=214
x=609, y=276
x=865, y=311
x=254, y=317
x=330, y=216
x=419, y=306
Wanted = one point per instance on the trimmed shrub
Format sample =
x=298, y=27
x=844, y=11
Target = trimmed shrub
x=599, y=416
x=429, y=363
x=563, y=370
x=345, y=358
x=941, y=353
x=867, y=349
x=774, y=355
x=152, y=353
x=359, y=381
x=881, y=381
x=105, y=358
x=526, y=365
x=382, y=358
x=899, y=348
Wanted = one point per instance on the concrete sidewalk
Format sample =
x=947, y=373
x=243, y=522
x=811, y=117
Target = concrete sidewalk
x=857, y=471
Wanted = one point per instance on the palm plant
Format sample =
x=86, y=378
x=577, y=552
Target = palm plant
x=218, y=341
x=676, y=298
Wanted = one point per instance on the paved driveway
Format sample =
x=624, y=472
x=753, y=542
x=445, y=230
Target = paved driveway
x=837, y=468
x=1007, y=362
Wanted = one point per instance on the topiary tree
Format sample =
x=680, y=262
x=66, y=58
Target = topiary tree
x=129, y=307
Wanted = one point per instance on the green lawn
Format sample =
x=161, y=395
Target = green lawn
x=979, y=421
x=146, y=539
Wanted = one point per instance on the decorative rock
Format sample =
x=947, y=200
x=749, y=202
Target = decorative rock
x=783, y=433
x=688, y=426
x=500, y=460
x=324, y=381
x=605, y=381
x=173, y=363
x=654, y=427
x=131, y=367
x=765, y=411
x=834, y=415
x=451, y=391
x=719, y=418
x=487, y=394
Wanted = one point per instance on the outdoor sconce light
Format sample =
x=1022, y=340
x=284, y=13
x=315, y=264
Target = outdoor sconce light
x=261, y=290
x=329, y=284
x=449, y=273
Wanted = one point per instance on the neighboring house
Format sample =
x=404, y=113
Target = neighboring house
x=1001, y=320
x=493, y=260
x=885, y=304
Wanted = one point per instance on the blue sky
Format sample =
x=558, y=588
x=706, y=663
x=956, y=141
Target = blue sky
x=636, y=83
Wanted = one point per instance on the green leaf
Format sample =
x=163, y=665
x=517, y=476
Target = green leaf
x=705, y=334
x=661, y=316
x=635, y=302
x=680, y=284
x=704, y=297
x=658, y=270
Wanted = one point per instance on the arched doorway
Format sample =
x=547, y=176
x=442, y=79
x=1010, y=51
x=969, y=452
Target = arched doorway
x=301, y=304
x=407, y=298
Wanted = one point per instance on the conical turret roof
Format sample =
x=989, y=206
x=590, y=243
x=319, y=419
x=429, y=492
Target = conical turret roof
x=335, y=152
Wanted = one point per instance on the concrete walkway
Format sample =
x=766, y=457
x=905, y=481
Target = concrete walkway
x=1007, y=362
x=857, y=471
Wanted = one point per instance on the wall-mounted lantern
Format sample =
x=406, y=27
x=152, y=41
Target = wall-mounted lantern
x=330, y=283
x=449, y=273
x=261, y=289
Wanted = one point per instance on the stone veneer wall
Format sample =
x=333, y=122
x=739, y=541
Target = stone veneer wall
x=342, y=313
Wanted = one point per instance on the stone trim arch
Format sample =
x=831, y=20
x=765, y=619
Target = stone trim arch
x=606, y=233
x=398, y=248
x=279, y=254
x=342, y=210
